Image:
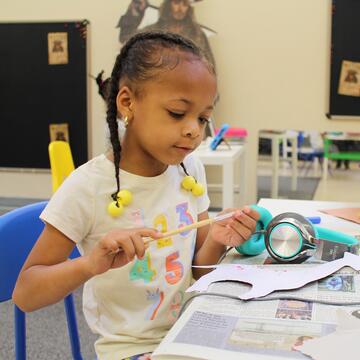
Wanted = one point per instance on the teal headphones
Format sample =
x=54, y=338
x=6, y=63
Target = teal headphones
x=290, y=237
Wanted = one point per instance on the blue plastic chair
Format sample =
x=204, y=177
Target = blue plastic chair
x=308, y=154
x=19, y=230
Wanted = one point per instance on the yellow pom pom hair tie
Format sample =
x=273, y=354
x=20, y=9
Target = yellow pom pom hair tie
x=189, y=183
x=116, y=207
x=124, y=197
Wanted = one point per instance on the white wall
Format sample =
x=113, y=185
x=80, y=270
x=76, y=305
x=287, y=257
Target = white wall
x=272, y=60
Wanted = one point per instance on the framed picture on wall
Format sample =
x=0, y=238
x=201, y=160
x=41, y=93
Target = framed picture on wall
x=58, y=48
x=349, y=83
x=59, y=132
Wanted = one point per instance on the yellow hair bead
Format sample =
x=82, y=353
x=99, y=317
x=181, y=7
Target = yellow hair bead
x=188, y=182
x=115, y=208
x=125, y=197
x=198, y=189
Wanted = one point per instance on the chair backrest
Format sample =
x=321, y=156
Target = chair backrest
x=61, y=162
x=19, y=230
x=309, y=146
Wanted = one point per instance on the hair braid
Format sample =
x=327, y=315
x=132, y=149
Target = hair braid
x=184, y=168
x=111, y=118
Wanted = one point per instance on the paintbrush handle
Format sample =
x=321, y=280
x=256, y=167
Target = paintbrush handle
x=198, y=224
x=182, y=229
x=191, y=226
x=195, y=225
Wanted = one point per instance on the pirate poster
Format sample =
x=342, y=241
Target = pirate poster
x=59, y=132
x=58, y=48
x=176, y=16
x=349, y=83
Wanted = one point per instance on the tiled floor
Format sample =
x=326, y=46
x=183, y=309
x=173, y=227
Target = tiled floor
x=341, y=185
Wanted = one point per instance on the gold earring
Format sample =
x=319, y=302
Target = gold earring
x=126, y=121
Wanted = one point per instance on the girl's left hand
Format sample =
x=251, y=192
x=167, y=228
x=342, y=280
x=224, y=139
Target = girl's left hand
x=237, y=229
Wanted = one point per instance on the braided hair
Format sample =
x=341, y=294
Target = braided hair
x=140, y=59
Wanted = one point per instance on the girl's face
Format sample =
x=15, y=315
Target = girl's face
x=170, y=115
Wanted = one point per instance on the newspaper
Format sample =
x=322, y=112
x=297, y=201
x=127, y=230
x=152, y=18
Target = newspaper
x=220, y=328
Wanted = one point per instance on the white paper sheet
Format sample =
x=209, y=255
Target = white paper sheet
x=342, y=344
x=265, y=280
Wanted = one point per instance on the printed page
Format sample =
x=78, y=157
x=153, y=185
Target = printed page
x=219, y=328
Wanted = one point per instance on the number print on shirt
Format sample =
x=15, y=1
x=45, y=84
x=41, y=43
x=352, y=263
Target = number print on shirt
x=174, y=269
x=185, y=216
x=175, y=306
x=161, y=220
x=142, y=270
x=156, y=297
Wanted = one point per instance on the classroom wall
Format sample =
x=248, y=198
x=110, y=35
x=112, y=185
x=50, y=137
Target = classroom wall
x=272, y=61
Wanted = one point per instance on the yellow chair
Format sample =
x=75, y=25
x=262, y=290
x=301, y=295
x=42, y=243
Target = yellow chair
x=61, y=162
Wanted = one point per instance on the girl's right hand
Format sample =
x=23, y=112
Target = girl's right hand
x=117, y=248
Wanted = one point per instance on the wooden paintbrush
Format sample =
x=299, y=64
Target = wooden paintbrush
x=192, y=226
x=195, y=225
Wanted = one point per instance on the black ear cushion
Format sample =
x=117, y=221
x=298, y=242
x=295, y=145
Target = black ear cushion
x=281, y=218
x=297, y=260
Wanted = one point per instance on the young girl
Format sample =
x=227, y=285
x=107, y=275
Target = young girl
x=164, y=89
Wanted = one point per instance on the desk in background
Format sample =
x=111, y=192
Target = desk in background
x=311, y=208
x=276, y=137
x=249, y=329
x=329, y=137
x=232, y=161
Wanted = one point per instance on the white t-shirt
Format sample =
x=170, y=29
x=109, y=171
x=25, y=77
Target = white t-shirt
x=132, y=307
